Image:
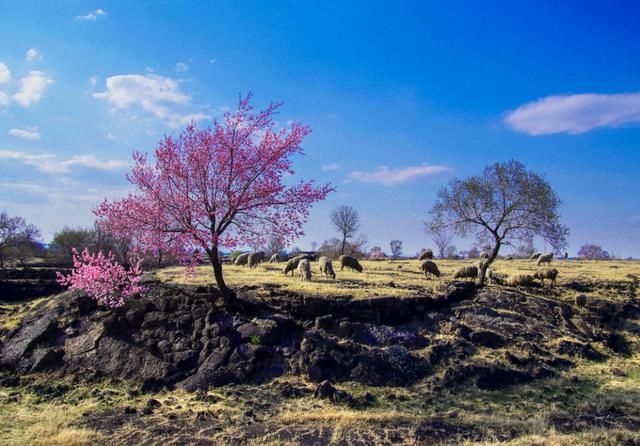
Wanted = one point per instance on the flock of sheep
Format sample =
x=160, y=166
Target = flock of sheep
x=302, y=265
x=472, y=271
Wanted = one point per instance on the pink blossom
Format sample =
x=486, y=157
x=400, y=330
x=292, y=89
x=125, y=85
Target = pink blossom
x=103, y=278
x=216, y=188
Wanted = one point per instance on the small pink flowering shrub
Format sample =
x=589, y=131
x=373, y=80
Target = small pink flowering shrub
x=103, y=278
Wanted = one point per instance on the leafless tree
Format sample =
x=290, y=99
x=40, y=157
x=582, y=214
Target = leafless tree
x=347, y=222
x=396, y=248
x=442, y=238
x=505, y=203
x=15, y=234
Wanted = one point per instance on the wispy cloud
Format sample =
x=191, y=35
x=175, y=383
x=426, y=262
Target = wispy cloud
x=28, y=133
x=575, y=114
x=32, y=55
x=392, y=177
x=5, y=74
x=331, y=166
x=49, y=163
x=181, y=67
x=32, y=88
x=92, y=16
x=154, y=94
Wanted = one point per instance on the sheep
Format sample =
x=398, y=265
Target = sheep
x=545, y=258
x=242, y=259
x=519, y=280
x=466, y=272
x=547, y=273
x=350, y=262
x=292, y=264
x=426, y=254
x=508, y=258
x=326, y=267
x=254, y=259
x=274, y=258
x=304, y=269
x=429, y=268
x=484, y=255
x=535, y=256
x=581, y=301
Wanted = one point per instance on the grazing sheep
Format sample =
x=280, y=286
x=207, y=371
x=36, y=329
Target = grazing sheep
x=519, y=280
x=429, y=268
x=274, y=258
x=547, y=273
x=484, y=255
x=545, y=258
x=426, y=254
x=350, y=262
x=326, y=267
x=254, y=259
x=242, y=259
x=535, y=256
x=304, y=269
x=466, y=272
x=508, y=258
x=292, y=264
x=581, y=301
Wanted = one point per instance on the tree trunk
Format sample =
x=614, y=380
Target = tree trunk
x=217, y=273
x=487, y=262
x=344, y=242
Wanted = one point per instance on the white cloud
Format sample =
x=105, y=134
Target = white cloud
x=32, y=54
x=111, y=136
x=4, y=99
x=154, y=94
x=28, y=133
x=393, y=177
x=92, y=15
x=331, y=166
x=5, y=74
x=181, y=67
x=48, y=163
x=32, y=88
x=575, y=114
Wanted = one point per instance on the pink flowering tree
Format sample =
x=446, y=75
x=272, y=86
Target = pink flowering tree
x=103, y=278
x=217, y=187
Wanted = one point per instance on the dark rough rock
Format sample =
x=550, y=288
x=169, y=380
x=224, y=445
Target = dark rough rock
x=578, y=349
x=487, y=338
x=180, y=336
x=325, y=390
x=26, y=338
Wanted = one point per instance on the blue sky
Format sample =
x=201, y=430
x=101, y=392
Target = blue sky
x=401, y=96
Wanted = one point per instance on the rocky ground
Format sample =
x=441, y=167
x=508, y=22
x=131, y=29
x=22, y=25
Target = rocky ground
x=176, y=367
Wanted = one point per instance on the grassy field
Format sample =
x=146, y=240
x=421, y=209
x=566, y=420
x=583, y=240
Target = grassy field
x=92, y=415
x=397, y=278
x=62, y=412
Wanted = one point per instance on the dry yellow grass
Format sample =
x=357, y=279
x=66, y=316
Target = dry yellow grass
x=400, y=278
x=30, y=423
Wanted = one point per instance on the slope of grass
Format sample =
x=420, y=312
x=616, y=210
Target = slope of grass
x=398, y=278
